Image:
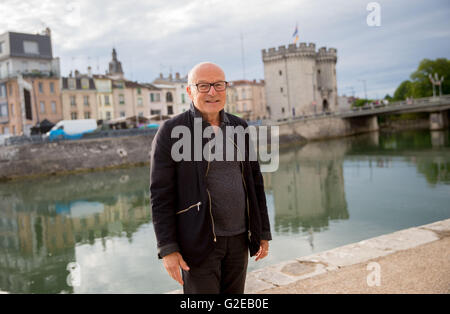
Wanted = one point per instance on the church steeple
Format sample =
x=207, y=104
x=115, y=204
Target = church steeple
x=115, y=66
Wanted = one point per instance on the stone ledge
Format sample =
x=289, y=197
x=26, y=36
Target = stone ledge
x=291, y=271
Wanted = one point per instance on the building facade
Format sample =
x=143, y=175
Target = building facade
x=29, y=82
x=173, y=92
x=247, y=99
x=105, y=97
x=27, y=53
x=300, y=80
x=79, y=97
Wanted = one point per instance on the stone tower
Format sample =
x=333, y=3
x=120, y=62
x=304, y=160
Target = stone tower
x=300, y=80
x=115, y=66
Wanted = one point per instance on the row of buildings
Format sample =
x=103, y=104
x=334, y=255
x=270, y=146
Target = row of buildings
x=32, y=90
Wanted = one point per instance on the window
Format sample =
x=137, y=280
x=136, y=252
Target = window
x=122, y=114
x=3, y=90
x=52, y=87
x=281, y=89
x=169, y=109
x=280, y=72
x=152, y=97
x=169, y=97
x=4, y=109
x=108, y=115
x=41, y=88
x=141, y=114
x=72, y=83
x=106, y=100
x=157, y=97
x=1, y=46
x=140, y=104
x=42, y=106
x=53, y=106
x=182, y=99
x=121, y=100
x=139, y=91
x=87, y=115
x=24, y=66
x=84, y=83
x=73, y=116
x=282, y=109
x=86, y=100
x=6, y=130
x=30, y=47
x=72, y=101
x=153, y=111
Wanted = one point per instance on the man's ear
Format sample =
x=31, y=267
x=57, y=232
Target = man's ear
x=189, y=91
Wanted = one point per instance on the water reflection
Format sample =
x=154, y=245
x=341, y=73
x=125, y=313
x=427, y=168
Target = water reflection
x=41, y=222
x=308, y=187
x=48, y=223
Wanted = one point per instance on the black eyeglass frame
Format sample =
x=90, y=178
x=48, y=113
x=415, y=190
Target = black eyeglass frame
x=211, y=85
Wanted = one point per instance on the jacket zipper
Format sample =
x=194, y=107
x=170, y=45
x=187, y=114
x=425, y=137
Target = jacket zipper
x=185, y=210
x=209, y=197
x=246, y=192
x=212, y=219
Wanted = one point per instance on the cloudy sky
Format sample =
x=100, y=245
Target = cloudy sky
x=153, y=36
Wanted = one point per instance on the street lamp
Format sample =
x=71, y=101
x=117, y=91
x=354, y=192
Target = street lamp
x=365, y=89
x=436, y=81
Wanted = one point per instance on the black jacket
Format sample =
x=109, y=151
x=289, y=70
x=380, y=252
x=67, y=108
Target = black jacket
x=181, y=205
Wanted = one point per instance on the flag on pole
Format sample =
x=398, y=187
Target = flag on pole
x=295, y=35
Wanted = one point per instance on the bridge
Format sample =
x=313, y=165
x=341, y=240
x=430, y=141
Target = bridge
x=438, y=107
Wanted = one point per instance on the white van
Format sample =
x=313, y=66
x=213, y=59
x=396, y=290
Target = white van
x=71, y=129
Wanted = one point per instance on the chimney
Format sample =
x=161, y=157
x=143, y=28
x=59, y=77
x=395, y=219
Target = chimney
x=170, y=77
x=77, y=73
x=89, y=69
x=177, y=75
x=48, y=32
x=160, y=75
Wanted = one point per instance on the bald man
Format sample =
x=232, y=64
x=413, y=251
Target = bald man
x=208, y=215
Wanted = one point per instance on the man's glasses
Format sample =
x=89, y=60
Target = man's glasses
x=205, y=87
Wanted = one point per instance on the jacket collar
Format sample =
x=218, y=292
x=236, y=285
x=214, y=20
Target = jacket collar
x=197, y=114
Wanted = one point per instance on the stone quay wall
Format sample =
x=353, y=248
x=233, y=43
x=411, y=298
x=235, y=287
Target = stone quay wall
x=99, y=154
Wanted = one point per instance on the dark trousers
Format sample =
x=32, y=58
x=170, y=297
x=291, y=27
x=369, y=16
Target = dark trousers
x=223, y=271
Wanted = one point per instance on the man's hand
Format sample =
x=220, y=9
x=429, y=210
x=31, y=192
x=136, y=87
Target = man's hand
x=263, y=250
x=172, y=263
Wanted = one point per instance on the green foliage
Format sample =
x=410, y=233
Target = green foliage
x=420, y=85
x=361, y=102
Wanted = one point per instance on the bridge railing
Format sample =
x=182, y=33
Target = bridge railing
x=414, y=102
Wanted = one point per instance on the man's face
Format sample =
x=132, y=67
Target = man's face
x=212, y=101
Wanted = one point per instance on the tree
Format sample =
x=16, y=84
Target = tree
x=423, y=87
x=404, y=90
x=420, y=85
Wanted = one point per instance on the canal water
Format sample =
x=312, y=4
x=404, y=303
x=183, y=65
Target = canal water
x=93, y=233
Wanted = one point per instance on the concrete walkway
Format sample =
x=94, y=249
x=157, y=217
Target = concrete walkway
x=415, y=260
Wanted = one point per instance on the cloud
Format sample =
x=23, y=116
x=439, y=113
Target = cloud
x=161, y=36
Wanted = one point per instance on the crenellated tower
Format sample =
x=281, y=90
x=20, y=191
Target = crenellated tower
x=300, y=80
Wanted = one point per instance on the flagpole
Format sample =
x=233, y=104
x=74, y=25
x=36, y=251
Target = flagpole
x=242, y=53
